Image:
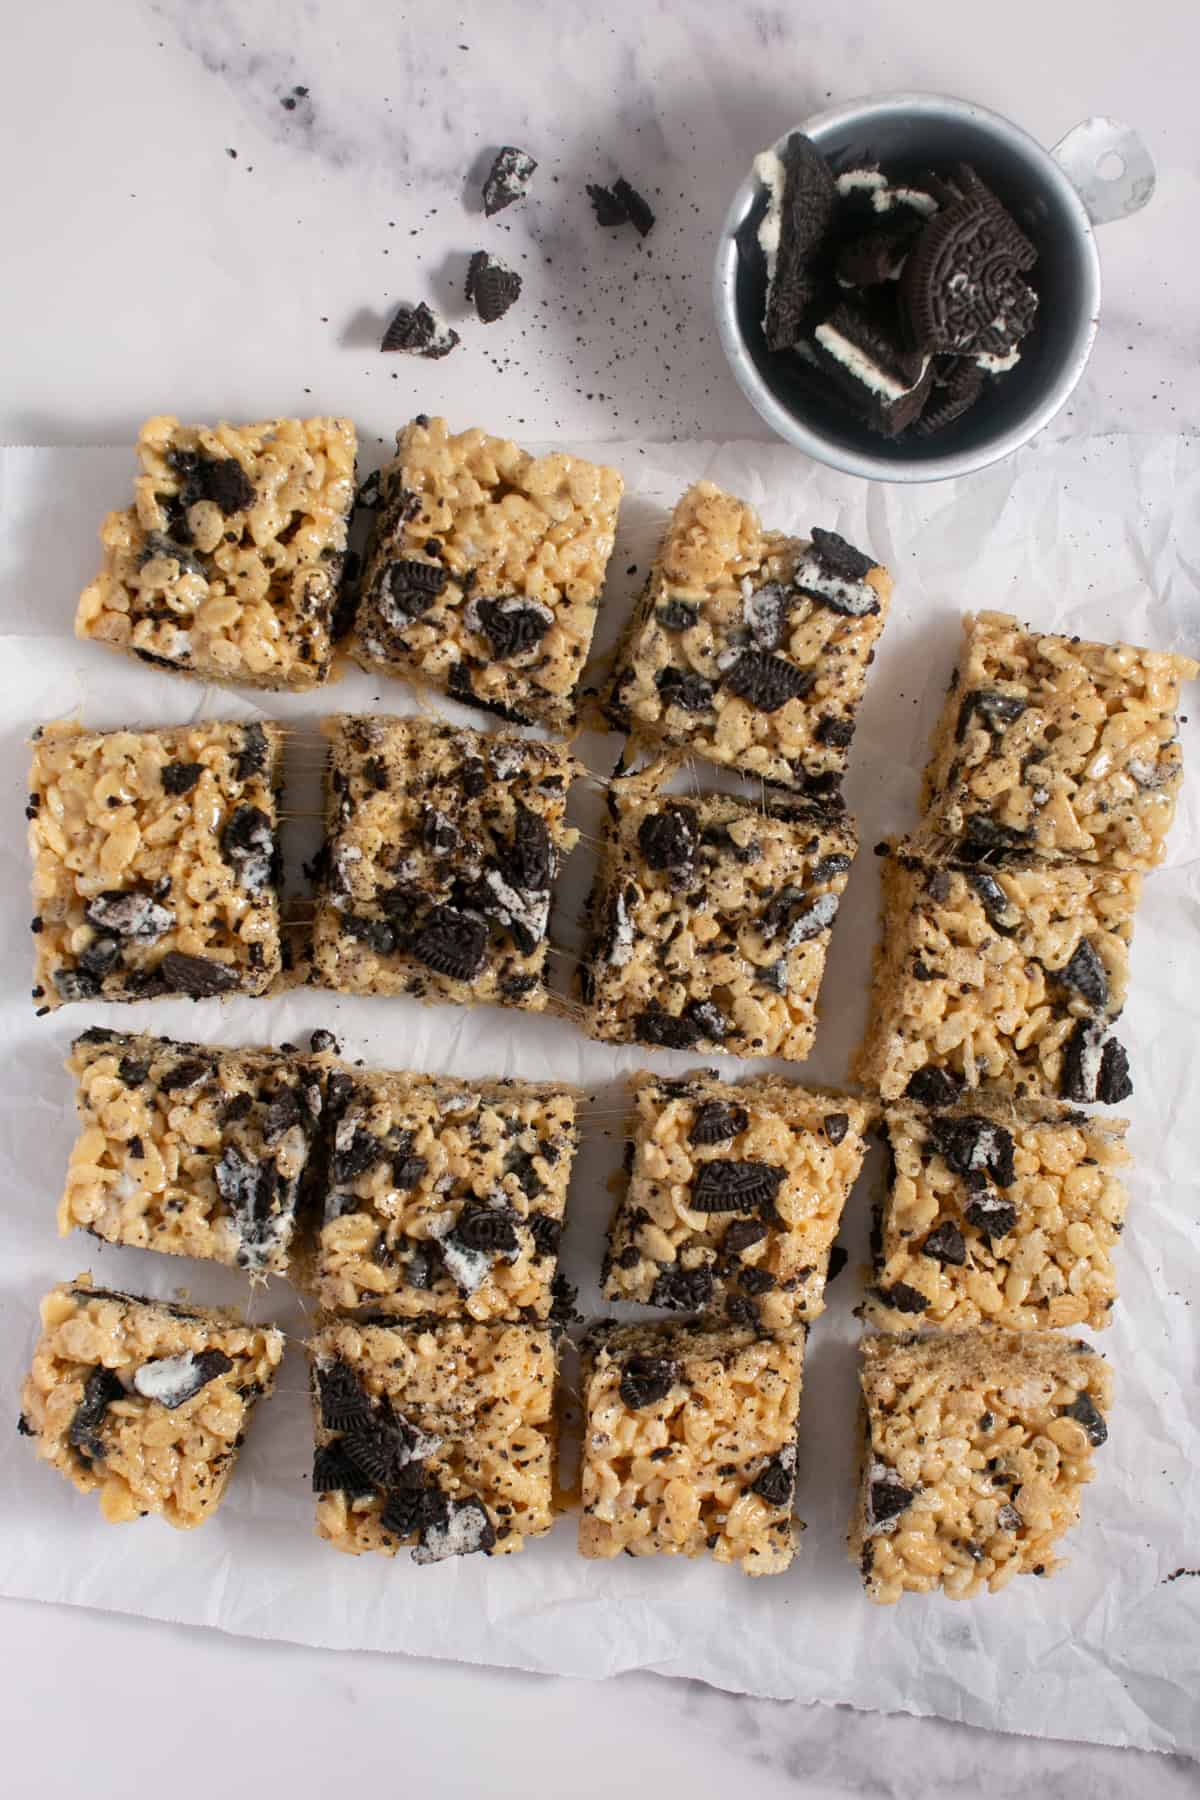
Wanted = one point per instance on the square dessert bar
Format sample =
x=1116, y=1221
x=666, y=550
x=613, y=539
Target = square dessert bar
x=155, y=868
x=443, y=1197
x=440, y=1436
x=711, y=918
x=734, y=1196
x=1057, y=746
x=145, y=1400
x=976, y=1447
x=998, y=1214
x=484, y=571
x=690, y=1443
x=228, y=565
x=442, y=849
x=751, y=648
x=1010, y=972
x=190, y=1150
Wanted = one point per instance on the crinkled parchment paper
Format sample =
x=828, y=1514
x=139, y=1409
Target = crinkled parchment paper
x=1101, y=538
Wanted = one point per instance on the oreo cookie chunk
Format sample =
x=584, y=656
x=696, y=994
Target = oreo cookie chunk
x=621, y=204
x=492, y=287
x=963, y=287
x=861, y=353
x=508, y=179
x=800, y=195
x=419, y=331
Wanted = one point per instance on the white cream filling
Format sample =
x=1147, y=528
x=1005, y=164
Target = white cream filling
x=857, y=363
x=769, y=169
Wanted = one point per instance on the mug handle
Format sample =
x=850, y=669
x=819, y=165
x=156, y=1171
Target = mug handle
x=1127, y=181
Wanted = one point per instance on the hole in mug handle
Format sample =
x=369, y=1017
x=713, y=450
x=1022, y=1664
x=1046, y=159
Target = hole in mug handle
x=1109, y=166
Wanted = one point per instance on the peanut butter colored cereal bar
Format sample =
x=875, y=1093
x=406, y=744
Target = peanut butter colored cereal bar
x=711, y=919
x=442, y=849
x=1053, y=745
x=144, y=1400
x=189, y=1150
x=998, y=1214
x=444, y=1197
x=441, y=1436
x=751, y=648
x=734, y=1197
x=154, y=862
x=690, y=1443
x=976, y=1447
x=484, y=571
x=1008, y=973
x=228, y=564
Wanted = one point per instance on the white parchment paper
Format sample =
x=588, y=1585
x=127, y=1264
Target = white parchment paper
x=1100, y=538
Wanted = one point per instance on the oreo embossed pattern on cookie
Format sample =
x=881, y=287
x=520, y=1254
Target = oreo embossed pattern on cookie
x=905, y=297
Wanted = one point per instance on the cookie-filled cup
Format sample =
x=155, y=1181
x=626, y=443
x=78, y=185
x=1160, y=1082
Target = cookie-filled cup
x=910, y=138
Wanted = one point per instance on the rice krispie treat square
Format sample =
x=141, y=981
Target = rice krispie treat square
x=710, y=921
x=1056, y=746
x=484, y=571
x=1010, y=972
x=733, y=1197
x=146, y=1401
x=443, y=1197
x=751, y=648
x=190, y=1150
x=439, y=1436
x=690, y=1443
x=228, y=565
x=976, y=1448
x=998, y=1214
x=442, y=849
x=155, y=868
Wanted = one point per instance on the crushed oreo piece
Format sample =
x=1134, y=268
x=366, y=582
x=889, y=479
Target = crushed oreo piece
x=451, y=944
x=743, y=1234
x=933, y=1087
x=717, y=1121
x=408, y=588
x=100, y=1389
x=678, y=615
x=904, y=1298
x=508, y=178
x=1085, y=972
x=645, y=1380
x=699, y=1020
x=946, y=1244
x=683, y=1290
x=838, y=734
x=836, y=1125
x=1001, y=911
x=333, y=1472
x=181, y=778
x=454, y=1528
x=513, y=626
x=491, y=1229
x=546, y=1232
x=990, y=1214
x=740, y=1187
x=256, y=1196
x=248, y=846
x=100, y=957
x=173, y=1380
x=1085, y=1411
x=491, y=287
x=131, y=913
x=998, y=711
x=197, y=976
x=1115, y=1083
x=418, y=331
x=776, y=1480
x=1093, y=1069
x=973, y=1144
x=668, y=839
x=679, y=687
x=799, y=210
x=767, y=682
x=887, y=1496
x=797, y=917
x=619, y=205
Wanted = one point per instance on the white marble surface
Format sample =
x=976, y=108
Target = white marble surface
x=147, y=269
